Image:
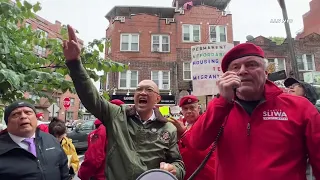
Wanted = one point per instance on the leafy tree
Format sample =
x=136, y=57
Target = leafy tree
x=277, y=40
x=21, y=70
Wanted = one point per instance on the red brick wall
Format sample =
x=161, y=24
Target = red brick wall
x=311, y=20
x=145, y=25
x=307, y=45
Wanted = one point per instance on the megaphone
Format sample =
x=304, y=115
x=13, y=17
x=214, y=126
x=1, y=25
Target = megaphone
x=156, y=174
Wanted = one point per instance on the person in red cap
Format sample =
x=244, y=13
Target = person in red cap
x=268, y=134
x=43, y=127
x=192, y=158
x=94, y=161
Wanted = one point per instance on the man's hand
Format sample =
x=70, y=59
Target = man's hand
x=227, y=83
x=71, y=48
x=168, y=167
x=181, y=128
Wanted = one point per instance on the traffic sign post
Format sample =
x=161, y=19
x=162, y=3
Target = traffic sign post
x=66, y=104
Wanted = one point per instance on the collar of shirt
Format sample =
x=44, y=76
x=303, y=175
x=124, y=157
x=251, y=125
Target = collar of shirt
x=151, y=118
x=18, y=140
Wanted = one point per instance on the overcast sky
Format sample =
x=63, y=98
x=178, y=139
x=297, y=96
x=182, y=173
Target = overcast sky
x=249, y=16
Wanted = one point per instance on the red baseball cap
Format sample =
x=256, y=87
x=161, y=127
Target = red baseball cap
x=189, y=99
x=239, y=51
x=117, y=102
x=38, y=115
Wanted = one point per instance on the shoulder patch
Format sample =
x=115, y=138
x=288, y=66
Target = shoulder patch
x=164, y=136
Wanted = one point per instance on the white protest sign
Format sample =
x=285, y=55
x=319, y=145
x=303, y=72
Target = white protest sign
x=206, y=67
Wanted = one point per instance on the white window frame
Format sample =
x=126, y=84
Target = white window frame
x=42, y=51
x=276, y=62
x=191, y=33
x=130, y=41
x=128, y=80
x=160, y=80
x=160, y=42
x=183, y=70
x=305, y=63
x=217, y=28
x=72, y=102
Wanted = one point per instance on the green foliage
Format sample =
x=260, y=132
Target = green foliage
x=21, y=70
x=277, y=40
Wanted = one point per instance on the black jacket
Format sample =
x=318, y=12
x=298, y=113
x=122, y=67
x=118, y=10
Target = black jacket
x=16, y=163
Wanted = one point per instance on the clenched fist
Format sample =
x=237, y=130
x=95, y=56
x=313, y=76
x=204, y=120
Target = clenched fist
x=227, y=83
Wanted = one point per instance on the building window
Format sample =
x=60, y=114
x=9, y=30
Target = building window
x=280, y=64
x=38, y=49
x=191, y=33
x=218, y=33
x=34, y=97
x=71, y=101
x=306, y=62
x=160, y=43
x=129, y=42
x=69, y=115
x=128, y=79
x=186, y=71
x=81, y=106
x=27, y=25
x=161, y=78
x=58, y=101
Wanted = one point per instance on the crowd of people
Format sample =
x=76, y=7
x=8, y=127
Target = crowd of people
x=252, y=130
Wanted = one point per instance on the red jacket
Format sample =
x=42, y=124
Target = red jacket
x=44, y=128
x=192, y=159
x=272, y=144
x=94, y=158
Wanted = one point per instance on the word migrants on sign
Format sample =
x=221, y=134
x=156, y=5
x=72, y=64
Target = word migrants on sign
x=206, y=67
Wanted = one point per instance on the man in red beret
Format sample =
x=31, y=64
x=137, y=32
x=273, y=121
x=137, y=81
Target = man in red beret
x=93, y=164
x=268, y=134
x=192, y=158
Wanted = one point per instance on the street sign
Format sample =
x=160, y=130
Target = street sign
x=66, y=103
x=53, y=110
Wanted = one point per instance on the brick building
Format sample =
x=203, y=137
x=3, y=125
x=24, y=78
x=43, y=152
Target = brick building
x=307, y=51
x=155, y=42
x=311, y=20
x=52, y=31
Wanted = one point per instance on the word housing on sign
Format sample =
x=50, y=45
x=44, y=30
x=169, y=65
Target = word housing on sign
x=206, y=67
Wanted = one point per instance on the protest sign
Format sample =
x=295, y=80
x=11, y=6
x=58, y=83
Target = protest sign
x=206, y=67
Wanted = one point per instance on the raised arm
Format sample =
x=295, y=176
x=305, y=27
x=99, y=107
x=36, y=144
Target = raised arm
x=86, y=90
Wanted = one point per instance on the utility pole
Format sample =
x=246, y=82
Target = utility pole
x=294, y=64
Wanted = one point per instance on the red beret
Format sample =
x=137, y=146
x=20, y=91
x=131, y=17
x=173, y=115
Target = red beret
x=97, y=122
x=189, y=99
x=117, y=102
x=239, y=51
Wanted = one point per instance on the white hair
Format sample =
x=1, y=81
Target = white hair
x=265, y=63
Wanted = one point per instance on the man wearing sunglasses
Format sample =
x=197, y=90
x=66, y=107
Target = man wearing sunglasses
x=139, y=138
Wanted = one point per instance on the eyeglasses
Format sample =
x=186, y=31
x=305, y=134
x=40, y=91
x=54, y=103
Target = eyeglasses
x=148, y=90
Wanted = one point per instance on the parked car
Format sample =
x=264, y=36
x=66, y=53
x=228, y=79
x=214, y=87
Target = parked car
x=79, y=134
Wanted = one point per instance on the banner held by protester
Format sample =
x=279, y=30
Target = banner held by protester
x=206, y=67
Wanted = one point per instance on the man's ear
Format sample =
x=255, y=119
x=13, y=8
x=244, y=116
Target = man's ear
x=158, y=99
